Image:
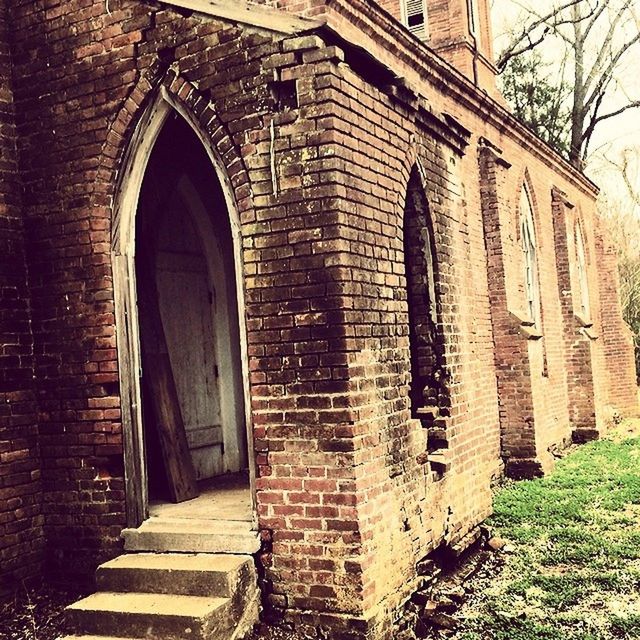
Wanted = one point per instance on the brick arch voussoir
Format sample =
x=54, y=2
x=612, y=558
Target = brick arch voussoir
x=202, y=114
x=408, y=163
x=117, y=141
x=525, y=181
x=413, y=161
x=206, y=118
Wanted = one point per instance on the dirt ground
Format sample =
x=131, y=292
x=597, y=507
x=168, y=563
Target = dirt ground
x=567, y=566
x=36, y=613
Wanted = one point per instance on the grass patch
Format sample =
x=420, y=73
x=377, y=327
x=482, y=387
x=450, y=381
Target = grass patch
x=574, y=573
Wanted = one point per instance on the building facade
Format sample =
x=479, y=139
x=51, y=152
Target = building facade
x=302, y=241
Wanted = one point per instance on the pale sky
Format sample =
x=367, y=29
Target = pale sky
x=612, y=137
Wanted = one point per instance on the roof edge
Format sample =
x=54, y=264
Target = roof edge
x=409, y=50
x=249, y=13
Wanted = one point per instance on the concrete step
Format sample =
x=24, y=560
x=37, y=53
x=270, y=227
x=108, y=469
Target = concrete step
x=96, y=638
x=192, y=536
x=157, y=616
x=196, y=574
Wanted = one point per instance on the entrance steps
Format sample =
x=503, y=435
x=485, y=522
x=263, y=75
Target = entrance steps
x=192, y=536
x=169, y=596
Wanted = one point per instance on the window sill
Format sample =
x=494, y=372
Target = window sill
x=530, y=332
x=589, y=332
x=582, y=321
x=526, y=327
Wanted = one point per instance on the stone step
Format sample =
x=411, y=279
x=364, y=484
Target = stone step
x=85, y=637
x=145, y=615
x=192, y=536
x=193, y=574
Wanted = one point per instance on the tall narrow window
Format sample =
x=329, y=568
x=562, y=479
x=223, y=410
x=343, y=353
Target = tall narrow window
x=474, y=17
x=425, y=338
x=583, y=283
x=528, y=240
x=414, y=17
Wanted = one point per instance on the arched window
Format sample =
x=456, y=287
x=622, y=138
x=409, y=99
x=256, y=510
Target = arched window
x=581, y=268
x=425, y=338
x=528, y=244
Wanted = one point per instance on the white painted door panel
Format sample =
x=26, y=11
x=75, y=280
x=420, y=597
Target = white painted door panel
x=186, y=301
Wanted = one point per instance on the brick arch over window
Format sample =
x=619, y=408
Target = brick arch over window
x=125, y=154
x=426, y=341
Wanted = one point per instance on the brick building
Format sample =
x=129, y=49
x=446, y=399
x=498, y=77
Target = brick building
x=315, y=239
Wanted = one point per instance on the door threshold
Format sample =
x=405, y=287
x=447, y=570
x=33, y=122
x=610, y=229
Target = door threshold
x=189, y=535
x=223, y=498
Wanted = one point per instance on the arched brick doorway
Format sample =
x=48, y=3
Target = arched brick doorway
x=188, y=320
x=179, y=304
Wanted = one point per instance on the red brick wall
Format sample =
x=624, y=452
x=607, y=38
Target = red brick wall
x=407, y=508
x=21, y=536
x=513, y=366
x=80, y=53
x=618, y=374
x=450, y=36
x=350, y=499
x=583, y=356
x=392, y=6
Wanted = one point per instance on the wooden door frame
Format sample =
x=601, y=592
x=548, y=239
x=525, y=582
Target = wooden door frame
x=123, y=249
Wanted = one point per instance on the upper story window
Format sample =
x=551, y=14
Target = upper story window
x=414, y=17
x=474, y=17
x=583, y=282
x=528, y=240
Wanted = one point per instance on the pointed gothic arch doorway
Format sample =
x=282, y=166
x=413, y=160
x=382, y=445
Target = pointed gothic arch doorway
x=180, y=327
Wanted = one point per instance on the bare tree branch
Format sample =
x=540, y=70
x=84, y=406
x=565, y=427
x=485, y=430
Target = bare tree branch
x=532, y=44
x=632, y=105
x=588, y=132
x=595, y=14
x=516, y=48
x=608, y=71
x=598, y=35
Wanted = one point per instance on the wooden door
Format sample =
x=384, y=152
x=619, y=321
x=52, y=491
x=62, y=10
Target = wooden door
x=186, y=298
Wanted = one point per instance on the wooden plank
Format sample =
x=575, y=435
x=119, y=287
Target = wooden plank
x=135, y=503
x=176, y=456
x=249, y=13
x=160, y=389
x=185, y=299
x=135, y=354
x=204, y=436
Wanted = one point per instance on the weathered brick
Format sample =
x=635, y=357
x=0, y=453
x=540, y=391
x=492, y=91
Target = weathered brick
x=389, y=374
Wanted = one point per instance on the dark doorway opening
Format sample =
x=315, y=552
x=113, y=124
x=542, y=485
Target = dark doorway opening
x=192, y=387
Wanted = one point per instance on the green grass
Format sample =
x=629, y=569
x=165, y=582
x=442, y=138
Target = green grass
x=574, y=573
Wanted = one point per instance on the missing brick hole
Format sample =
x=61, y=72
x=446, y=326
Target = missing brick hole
x=167, y=56
x=111, y=388
x=111, y=467
x=285, y=94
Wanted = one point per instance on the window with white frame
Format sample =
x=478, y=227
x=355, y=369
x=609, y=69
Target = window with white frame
x=474, y=17
x=581, y=266
x=414, y=17
x=528, y=244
